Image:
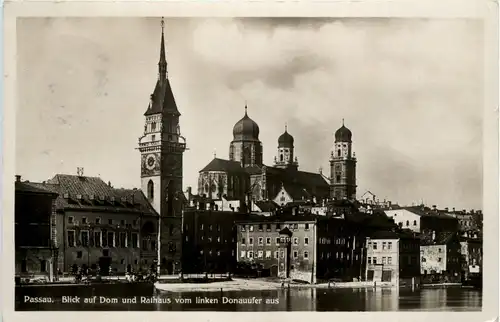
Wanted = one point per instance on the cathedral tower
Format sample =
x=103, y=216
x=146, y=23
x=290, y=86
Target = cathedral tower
x=343, y=166
x=285, y=158
x=162, y=148
x=246, y=147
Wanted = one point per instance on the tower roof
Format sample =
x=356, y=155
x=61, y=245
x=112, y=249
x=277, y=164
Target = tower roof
x=285, y=139
x=343, y=134
x=162, y=99
x=246, y=129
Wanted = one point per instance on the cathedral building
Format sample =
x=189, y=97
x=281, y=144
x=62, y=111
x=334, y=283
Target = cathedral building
x=162, y=147
x=244, y=177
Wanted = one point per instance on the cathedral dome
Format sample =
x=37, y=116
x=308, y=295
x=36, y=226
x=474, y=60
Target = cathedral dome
x=343, y=134
x=285, y=139
x=246, y=129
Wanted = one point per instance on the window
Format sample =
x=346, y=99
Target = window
x=123, y=239
x=84, y=235
x=389, y=245
x=79, y=254
x=407, y=223
x=414, y=223
x=383, y=260
x=295, y=254
x=43, y=265
x=384, y=245
x=306, y=241
x=374, y=260
x=261, y=240
x=242, y=254
x=261, y=227
x=338, y=179
x=276, y=254
x=374, y=245
x=306, y=255
x=295, y=226
x=135, y=240
x=98, y=221
x=250, y=254
x=268, y=241
x=439, y=259
x=306, y=227
x=339, y=152
x=439, y=250
x=243, y=228
x=209, y=227
x=153, y=137
x=277, y=240
x=111, y=239
x=295, y=240
x=282, y=254
x=268, y=227
x=97, y=238
x=71, y=238
x=110, y=221
x=218, y=227
x=151, y=189
x=250, y=240
x=84, y=220
x=153, y=126
x=389, y=260
x=243, y=241
x=71, y=220
x=278, y=226
x=423, y=260
x=268, y=254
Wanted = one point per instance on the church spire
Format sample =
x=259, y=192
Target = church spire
x=162, y=64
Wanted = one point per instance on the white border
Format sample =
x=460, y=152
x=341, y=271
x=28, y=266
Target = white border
x=482, y=9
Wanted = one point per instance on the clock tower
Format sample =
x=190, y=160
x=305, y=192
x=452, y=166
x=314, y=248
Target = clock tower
x=162, y=147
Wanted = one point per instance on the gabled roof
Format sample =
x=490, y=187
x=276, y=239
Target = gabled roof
x=223, y=165
x=267, y=205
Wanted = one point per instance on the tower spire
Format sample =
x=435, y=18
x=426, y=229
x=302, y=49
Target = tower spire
x=162, y=64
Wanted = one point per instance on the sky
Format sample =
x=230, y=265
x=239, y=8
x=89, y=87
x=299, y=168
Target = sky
x=410, y=90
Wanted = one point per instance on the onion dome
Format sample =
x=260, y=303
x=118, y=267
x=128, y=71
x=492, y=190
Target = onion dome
x=245, y=129
x=285, y=139
x=343, y=134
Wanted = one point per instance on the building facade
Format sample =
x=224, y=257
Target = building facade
x=393, y=257
x=162, y=147
x=100, y=227
x=441, y=259
x=35, y=235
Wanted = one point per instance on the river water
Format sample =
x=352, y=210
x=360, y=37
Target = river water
x=427, y=299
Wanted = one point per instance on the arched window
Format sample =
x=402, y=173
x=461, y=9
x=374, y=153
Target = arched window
x=151, y=189
x=339, y=152
x=414, y=223
x=281, y=157
x=407, y=223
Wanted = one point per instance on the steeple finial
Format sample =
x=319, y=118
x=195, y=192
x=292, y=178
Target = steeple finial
x=246, y=107
x=162, y=64
x=286, y=126
x=215, y=153
x=342, y=121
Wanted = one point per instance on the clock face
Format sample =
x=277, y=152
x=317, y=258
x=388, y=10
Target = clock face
x=150, y=162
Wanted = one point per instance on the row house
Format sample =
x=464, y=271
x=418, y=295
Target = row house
x=209, y=241
x=35, y=246
x=393, y=256
x=471, y=249
x=441, y=258
x=101, y=227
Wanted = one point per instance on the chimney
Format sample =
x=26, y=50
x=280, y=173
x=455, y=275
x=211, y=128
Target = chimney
x=434, y=207
x=189, y=190
x=18, y=178
x=446, y=209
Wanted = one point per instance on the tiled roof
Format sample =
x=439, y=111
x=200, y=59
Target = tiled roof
x=223, y=165
x=92, y=193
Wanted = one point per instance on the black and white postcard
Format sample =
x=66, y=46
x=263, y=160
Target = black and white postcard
x=224, y=158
